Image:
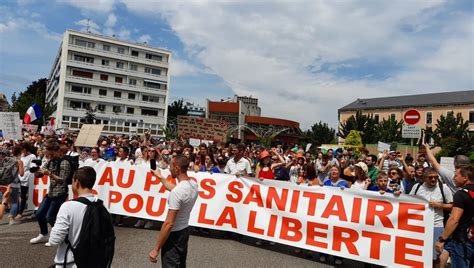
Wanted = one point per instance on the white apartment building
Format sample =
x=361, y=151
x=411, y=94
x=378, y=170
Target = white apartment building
x=125, y=83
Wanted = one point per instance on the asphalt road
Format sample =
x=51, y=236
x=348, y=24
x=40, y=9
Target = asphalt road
x=133, y=245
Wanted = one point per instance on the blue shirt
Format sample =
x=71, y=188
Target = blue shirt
x=214, y=169
x=375, y=188
x=339, y=183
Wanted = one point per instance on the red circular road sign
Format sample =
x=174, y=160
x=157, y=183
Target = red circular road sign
x=411, y=117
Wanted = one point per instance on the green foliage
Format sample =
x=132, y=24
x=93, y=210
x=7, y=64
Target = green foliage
x=175, y=109
x=371, y=131
x=390, y=130
x=34, y=93
x=320, y=133
x=452, y=135
x=354, y=138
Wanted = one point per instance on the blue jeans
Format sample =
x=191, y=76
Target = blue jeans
x=48, y=210
x=461, y=253
x=14, y=198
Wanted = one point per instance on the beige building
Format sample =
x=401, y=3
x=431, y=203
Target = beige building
x=430, y=106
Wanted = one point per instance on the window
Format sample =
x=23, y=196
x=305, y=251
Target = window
x=130, y=110
x=149, y=112
x=134, y=53
x=78, y=104
x=117, y=94
x=65, y=118
x=83, y=59
x=117, y=109
x=84, y=43
x=82, y=74
x=104, y=77
x=106, y=47
x=150, y=98
x=102, y=92
x=429, y=118
x=105, y=62
x=154, y=57
x=101, y=107
x=106, y=122
x=471, y=117
x=148, y=83
x=132, y=82
x=119, y=65
x=74, y=119
x=133, y=67
x=131, y=96
x=376, y=117
x=127, y=124
x=392, y=117
x=449, y=114
x=121, y=50
x=152, y=71
x=118, y=79
x=134, y=124
x=79, y=89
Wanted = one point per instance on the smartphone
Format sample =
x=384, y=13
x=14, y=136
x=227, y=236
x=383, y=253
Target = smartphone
x=152, y=164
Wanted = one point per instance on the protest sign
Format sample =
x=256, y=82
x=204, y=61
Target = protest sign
x=10, y=125
x=30, y=127
x=381, y=147
x=88, y=135
x=361, y=225
x=447, y=162
x=202, y=128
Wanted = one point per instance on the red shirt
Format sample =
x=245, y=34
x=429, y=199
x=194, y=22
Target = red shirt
x=266, y=174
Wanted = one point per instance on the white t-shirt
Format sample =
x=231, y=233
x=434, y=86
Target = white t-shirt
x=434, y=194
x=27, y=164
x=242, y=166
x=358, y=185
x=89, y=162
x=182, y=198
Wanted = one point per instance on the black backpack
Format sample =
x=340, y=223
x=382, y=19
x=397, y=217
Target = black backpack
x=446, y=213
x=97, y=238
x=74, y=163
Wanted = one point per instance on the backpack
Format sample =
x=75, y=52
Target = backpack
x=8, y=170
x=96, y=239
x=470, y=230
x=74, y=164
x=446, y=214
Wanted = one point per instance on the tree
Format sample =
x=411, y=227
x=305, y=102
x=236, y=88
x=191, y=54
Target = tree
x=390, y=130
x=365, y=124
x=354, y=138
x=34, y=93
x=175, y=109
x=320, y=133
x=452, y=135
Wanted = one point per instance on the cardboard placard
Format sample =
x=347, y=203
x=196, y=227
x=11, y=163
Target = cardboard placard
x=202, y=128
x=10, y=126
x=88, y=135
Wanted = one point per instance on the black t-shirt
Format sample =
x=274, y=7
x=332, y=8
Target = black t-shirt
x=463, y=200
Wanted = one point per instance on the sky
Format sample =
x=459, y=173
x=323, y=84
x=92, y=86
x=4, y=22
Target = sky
x=303, y=60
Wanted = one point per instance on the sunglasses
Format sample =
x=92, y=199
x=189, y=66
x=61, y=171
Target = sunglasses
x=433, y=177
x=393, y=173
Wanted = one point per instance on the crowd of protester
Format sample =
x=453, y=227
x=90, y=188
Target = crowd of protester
x=389, y=172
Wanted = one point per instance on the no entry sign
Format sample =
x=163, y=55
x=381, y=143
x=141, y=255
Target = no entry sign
x=411, y=117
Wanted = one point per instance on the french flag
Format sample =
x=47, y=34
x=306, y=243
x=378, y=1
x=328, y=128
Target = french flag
x=33, y=113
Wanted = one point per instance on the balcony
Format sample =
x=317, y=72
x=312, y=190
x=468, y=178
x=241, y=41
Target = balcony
x=113, y=85
x=110, y=99
x=115, y=55
x=121, y=71
x=78, y=112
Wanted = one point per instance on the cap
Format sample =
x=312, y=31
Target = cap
x=264, y=154
x=299, y=156
x=363, y=166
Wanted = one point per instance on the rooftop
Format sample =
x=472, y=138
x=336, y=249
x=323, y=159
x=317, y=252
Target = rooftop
x=421, y=100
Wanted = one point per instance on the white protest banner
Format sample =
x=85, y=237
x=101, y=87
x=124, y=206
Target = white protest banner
x=381, y=147
x=10, y=125
x=361, y=225
x=194, y=142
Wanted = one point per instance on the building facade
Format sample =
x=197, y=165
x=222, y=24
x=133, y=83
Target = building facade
x=430, y=107
x=195, y=110
x=126, y=84
x=244, y=115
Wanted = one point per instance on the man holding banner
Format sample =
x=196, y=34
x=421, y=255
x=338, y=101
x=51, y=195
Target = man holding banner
x=174, y=234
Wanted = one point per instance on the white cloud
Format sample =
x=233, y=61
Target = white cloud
x=88, y=25
x=111, y=20
x=146, y=38
x=100, y=6
x=180, y=67
x=266, y=49
x=124, y=34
